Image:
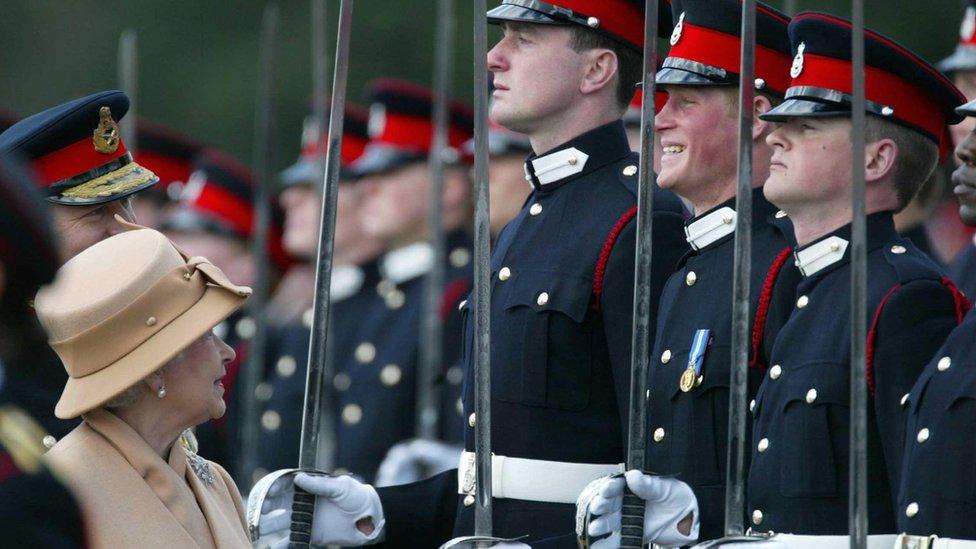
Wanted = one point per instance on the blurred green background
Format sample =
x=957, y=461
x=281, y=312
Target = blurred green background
x=198, y=59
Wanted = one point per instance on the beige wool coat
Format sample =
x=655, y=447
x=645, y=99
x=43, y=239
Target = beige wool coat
x=130, y=497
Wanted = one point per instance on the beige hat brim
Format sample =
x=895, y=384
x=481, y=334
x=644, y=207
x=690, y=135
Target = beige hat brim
x=85, y=393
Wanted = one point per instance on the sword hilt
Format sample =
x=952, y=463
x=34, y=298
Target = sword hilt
x=302, y=510
x=632, y=522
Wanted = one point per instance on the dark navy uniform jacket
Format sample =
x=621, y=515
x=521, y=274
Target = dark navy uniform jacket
x=284, y=390
x=688, y=430
x=376, y=380
x=938, y=484
x=799, y=474
x=561, y=317
x=963, y=270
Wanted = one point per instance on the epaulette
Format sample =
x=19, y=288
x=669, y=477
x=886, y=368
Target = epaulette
x=909, y=263
x=627, y=176
x=22, y=437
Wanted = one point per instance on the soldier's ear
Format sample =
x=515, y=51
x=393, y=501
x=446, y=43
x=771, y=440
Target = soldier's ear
x=879, y=159
x=601, y=66
x=760, y=128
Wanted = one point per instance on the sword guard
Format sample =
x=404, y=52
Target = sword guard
x=259, y=493
x=473, y=542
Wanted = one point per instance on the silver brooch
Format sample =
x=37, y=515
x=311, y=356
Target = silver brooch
x=201, y=468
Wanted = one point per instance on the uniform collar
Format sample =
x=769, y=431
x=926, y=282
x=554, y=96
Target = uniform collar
x=711, y=226
x=407, y=263
x=346, y=281
x=831, y=249
x=580, y=156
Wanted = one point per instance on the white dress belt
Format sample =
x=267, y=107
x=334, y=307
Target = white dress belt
x=533, y=479
x=879, y=541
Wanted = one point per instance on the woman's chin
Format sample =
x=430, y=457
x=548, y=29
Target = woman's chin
x=218, y=409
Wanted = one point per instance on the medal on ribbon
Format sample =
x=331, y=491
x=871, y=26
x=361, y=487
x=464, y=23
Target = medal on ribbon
x=692, y=376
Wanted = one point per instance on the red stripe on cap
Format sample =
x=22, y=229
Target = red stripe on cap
x=415, y=133
x=226, y=206
x=352, y=148
x=167, y=168
x=912, y=104
x=711, y=47
x=620, y=18
x=75, y=159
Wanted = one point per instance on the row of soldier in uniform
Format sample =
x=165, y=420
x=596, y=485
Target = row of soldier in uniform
x=562, y=285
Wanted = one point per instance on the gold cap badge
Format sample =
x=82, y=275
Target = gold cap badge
x=106, y=135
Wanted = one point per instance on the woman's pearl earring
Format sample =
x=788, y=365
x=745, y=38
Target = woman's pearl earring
x=162, y=392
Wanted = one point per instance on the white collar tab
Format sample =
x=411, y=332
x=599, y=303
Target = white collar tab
x=555, y=166
x=407, y=263
x=346, y=281
x=710, y=227
x=820, y=255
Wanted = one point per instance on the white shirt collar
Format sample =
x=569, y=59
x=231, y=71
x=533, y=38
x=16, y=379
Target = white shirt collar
x=710, y=227
x=553, y=167
x=820, y=255
x=346, y=281
x=407, y=263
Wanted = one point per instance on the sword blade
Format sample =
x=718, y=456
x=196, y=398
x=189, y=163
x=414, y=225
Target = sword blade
x=263, y=147
x=482, y=277
x=128, y=76
x=858, y=518
x=742, y=271
x=632, y=521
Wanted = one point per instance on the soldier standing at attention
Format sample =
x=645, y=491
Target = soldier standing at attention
x=697, y=127
x=798, y=480
x=87, y=176
x=562, y=290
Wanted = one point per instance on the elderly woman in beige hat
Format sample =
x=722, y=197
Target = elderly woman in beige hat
x=131, y=318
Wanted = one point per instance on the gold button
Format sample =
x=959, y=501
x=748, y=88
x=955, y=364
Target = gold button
x=245, y=328
x=504, y=273
x=341, y=381
x=727, y=219
x=384, y=287
x=187, y=276
x=468, y=500
x=535, y=209
x=775, y=371
x=911, y=510
x=922, y=435
x=763, y=445
x=365, y=352
x=471, y=420
x=666, y=356
x=395, y=299
x=752, y=405
x=455, y=375
x=543, y=299
x=151, y=321
x=904, y=399
x=658, y=434
x=944, y=363
x=630, y=170
x=270, y=420
x=757, y=517
x=263, y=391
x=390, y=375
x=352, y=414
x=462, y=304
x=691, y=278
x=811, y=396
x=307, y=317
x=834, y=247
x=802, y=302
x=898, y=249
x=459, y=257
x=49, y=441
x=780, y=214
x=286, y=366
x=572, y=160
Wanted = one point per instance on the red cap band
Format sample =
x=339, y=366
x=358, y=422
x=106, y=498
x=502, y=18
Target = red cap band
x=619, y=18
x=911, y=104
x=352, y=148
x=75, y=159
x=721, y=50
x=415, y=133
x=166, y=167
x=226, y=206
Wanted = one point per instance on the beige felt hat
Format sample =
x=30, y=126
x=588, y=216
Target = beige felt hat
x=124, y=307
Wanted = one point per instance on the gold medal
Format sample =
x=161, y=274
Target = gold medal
x=688, y=380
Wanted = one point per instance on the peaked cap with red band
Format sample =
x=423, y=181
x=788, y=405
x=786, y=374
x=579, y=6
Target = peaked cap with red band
x=169, y=154
x=400, y=127
x=76, y=151
x=621, y=20
x=706, y=46
x=899, y=85
x=219, y=199
x=964, y=58
x=315, y=143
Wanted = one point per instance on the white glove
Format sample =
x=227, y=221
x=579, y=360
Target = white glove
x=667, y=502
x=342, y=504
x=416, y=459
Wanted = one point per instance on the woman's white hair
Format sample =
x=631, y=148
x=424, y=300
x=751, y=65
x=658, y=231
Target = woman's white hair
x=127, y=397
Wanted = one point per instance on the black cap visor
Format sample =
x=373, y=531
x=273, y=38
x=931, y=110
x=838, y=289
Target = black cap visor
x=530, y=11
x=380, y=158
x=676, y=71
x=969, y=109
x=809, y=101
